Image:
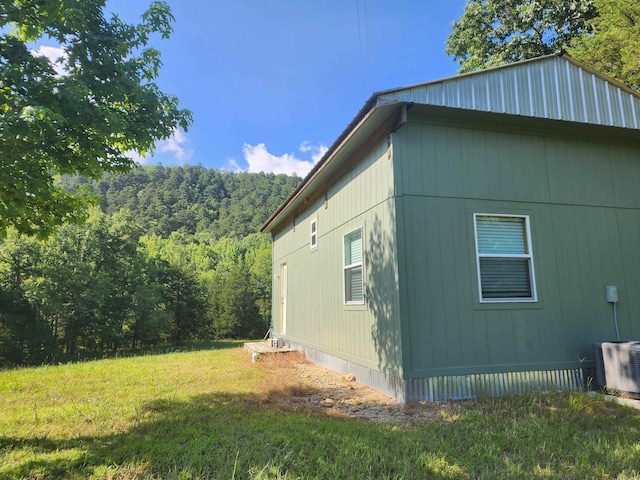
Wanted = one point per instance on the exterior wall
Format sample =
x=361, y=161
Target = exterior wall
x=584, y=207
x=316, y=317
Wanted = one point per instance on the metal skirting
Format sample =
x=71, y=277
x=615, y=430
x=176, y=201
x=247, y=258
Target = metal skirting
x=387, y=384
x=441, y=389
x=455, y=387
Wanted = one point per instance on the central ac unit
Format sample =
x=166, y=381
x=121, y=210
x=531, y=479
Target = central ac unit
x=618, y=366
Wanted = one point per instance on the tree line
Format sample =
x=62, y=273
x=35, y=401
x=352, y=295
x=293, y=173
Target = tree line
x=116, y=283
x=206, y=203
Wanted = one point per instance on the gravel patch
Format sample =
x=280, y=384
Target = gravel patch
x=294, y=383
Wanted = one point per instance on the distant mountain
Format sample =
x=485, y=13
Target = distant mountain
x=194, y=200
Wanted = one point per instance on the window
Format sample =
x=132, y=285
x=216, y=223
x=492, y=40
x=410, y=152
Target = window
x=353, y=273
x=504, y=258
x=313, y=242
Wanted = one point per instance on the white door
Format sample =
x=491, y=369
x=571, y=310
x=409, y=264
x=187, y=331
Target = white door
x=283, y=298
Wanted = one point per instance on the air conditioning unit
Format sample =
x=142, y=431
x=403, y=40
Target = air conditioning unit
x=618, y=366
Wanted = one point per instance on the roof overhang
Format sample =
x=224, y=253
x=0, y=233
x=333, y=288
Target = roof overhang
x=367, y=128
x=480, y=98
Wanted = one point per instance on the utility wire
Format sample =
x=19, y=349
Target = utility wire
x=366, y=36
x=364, y=77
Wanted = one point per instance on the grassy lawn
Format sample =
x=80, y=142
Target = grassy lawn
x=207, y=414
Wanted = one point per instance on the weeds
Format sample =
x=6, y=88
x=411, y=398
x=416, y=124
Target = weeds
x=206, y=414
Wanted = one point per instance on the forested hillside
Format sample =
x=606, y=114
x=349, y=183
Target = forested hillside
x=191, y=199
x=169, y=255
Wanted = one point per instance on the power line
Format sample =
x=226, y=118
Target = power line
x=366, y=36
x=366, y=88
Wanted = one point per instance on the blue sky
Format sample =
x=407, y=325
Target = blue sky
x=271, y=83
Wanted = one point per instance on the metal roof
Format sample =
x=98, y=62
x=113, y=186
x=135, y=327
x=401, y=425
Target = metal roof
x=553, y=87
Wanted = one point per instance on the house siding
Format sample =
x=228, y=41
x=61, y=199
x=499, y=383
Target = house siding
x=582, y=200
x=553, y=87
x=316, y=315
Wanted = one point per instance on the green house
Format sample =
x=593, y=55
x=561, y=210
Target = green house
x=459, y=235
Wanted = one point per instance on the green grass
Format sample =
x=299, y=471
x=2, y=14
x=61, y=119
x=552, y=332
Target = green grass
x=207, y=414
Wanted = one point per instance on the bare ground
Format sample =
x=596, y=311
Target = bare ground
x=294, y=383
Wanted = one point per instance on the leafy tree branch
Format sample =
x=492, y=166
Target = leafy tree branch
x=105, y=104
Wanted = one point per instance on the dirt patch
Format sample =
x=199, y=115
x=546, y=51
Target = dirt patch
x=294, y=383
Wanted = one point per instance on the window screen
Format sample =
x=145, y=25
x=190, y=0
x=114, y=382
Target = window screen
x=505, y=263
x=313, y=242
x=353, y=272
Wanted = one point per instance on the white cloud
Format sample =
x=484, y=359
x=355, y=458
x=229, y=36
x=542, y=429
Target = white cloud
x=136, y=157
x=234, y=166
x=306, y=146
x=176, y=145
x=318, y=153
x=259, y=159
x=56, y=56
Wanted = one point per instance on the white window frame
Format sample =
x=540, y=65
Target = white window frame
x=351, y=266
x=528, y=255
x=313, y=234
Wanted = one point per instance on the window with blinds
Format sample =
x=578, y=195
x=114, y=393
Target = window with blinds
x=504, y=258
x=353, y=272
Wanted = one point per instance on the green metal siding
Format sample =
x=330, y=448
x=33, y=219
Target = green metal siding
x=583, y=202
x=316, y=315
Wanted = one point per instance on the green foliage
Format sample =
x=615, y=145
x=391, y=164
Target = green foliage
x=235, y=312
x=105, y=285
x=24, y=335
x=614, y=46
x=495, y=32
x=236, y=275
x=104, y=104
x=186, y=301
x=191, y=200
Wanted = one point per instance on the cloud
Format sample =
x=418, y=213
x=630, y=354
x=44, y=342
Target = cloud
x=56, y=56
x=234, y=166
x=176, y=146
x=136, y=157
x=306, y=146
x=259, y=159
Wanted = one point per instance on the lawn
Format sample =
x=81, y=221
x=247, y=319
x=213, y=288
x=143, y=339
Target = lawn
x=211, y=414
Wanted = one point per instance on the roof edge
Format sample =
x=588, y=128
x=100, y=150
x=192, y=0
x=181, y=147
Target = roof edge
x=363, y=113
x=372, y=104
x=562, y=54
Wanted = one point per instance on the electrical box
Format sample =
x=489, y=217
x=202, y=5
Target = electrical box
x=612, y=293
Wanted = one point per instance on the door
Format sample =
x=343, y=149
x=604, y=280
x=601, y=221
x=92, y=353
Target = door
x=283, y=298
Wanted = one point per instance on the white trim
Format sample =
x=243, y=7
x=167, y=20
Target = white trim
x=284, y=293
x=313, y=234
x=528, y=255
x=351, y=266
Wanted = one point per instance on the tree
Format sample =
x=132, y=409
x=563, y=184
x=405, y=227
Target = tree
x=614, y=45
x=495, y=32
x=234, y=311
x=24, y=334
x=83, y=119
x=186, y=303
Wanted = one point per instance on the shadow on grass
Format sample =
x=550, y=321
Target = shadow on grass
x=242, y=436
